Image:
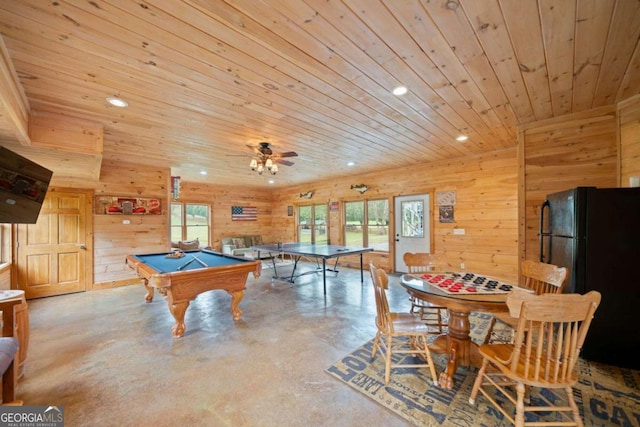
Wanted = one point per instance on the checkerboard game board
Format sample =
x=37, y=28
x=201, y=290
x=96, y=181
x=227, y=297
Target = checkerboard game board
x=466, y=283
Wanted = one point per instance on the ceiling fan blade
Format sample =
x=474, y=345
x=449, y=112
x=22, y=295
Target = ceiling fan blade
x=284, y=162
x=287, y=154
x=254, y=148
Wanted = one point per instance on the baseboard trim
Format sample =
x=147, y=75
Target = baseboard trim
x=115, y=284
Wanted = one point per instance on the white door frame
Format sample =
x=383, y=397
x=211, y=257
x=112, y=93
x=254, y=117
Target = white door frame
x=408, y=243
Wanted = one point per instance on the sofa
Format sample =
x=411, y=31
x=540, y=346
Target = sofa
x=186, y=245
x=9, y=370
x=241, y=246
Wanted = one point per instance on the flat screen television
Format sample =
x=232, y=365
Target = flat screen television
x=23, y=186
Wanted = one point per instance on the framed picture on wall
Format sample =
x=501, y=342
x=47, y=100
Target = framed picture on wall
x=111, y=205
x=446, y=198
x=446, y=213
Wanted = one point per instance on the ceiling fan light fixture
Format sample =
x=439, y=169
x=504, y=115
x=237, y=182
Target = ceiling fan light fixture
x=461, y=138
x=266, y=159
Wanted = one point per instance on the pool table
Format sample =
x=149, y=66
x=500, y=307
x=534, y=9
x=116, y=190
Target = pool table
x=183, y=279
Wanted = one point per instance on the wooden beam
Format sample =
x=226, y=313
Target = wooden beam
x=14, y=106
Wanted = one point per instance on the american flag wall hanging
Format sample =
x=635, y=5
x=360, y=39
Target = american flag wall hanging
x=244, y=213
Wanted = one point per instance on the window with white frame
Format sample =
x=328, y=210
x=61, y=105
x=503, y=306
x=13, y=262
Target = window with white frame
x=190, y=221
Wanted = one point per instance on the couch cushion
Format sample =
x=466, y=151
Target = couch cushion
x=256, y=240
x=189, y=245
x=239, y=243
x=8, y=348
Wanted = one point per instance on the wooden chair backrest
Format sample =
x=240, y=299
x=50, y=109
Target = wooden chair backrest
x=550, y=333
x=380, y=284
x=543, y=278
x=421, y=262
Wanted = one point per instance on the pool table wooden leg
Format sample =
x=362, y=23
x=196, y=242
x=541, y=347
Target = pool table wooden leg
x=178, y=310
x=236, y=297
x=149, y=296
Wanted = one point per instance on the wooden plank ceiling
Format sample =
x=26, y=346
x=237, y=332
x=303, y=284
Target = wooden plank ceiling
x=205, y=78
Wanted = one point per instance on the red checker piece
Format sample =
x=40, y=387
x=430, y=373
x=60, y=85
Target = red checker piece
x=426, y=276
x=454, y=289
x=471, y=289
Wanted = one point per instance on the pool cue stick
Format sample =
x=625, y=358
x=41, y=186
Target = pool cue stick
x=200, y=261
x=185, y=264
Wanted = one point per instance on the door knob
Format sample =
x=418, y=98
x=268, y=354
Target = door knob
x=81, y=246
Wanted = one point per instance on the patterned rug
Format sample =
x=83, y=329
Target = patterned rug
x=606, y=395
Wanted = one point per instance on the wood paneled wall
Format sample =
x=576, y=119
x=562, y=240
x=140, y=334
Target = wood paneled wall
x=222, y=198
x=113, y=240
x=5, y=278
x=629, y=122
x=486, y=207
x=563, y=153
x=552, y=155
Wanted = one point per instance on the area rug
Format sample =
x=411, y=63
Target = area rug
x=606, y=395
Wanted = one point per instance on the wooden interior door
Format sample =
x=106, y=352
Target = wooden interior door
x=55, y=254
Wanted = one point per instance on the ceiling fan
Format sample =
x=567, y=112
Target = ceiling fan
x=266, y=159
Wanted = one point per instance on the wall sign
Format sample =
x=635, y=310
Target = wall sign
x=446, y=213
x=244, y=213
x=114, y=205
x=446, y=198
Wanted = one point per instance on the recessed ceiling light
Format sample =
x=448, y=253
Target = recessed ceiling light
x=203, y=172
x=400, y=90
x=451, y=5
x=462, y=138
x=117, y=102
x=271, y=181
x=350, y=164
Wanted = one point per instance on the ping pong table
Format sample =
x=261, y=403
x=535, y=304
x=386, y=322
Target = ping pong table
x=310, y=250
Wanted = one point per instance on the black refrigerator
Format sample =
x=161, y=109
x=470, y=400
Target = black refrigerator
x=595, y=233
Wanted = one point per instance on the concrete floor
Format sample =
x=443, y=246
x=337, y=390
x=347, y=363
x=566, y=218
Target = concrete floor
x=109, y=358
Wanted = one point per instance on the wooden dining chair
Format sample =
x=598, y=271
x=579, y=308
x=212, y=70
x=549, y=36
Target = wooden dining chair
x=540, y=278
x=435, y=317
x=398, y=333
x=550, y=332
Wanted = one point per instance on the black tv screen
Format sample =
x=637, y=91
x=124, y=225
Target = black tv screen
x=23, y=186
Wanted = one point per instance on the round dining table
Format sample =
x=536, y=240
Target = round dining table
x=456, y=342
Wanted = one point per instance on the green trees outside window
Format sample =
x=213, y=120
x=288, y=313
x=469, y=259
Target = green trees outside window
x=190, y=221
